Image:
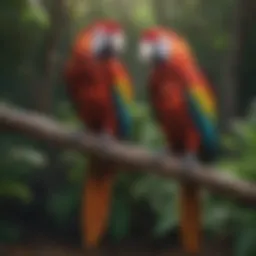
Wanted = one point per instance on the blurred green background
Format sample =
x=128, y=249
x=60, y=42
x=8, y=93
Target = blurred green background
x=40, y=185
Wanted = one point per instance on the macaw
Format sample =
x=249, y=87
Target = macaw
x=100, y=88
x=185, y=106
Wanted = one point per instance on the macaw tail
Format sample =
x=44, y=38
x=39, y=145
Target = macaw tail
x=96, y=201
x=190, y=218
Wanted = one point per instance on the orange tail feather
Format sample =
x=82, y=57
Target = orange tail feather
x=96, y=202
x=190, y=219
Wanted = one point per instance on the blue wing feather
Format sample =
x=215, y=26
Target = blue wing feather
x=206, y=126
x=123, y=115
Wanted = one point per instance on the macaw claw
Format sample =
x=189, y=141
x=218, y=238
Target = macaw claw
x=189, y=161
x=106, y=139
x=77, y=134
x=164, y=151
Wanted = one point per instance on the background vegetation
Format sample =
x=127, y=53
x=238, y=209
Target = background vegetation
x=40, y=186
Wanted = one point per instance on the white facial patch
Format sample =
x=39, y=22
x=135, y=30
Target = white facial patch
x=149, y=50
x=146, y=51
x=118, y=42
x=99, y=39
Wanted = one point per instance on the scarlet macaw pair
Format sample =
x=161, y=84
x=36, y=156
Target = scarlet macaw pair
x=183, y=102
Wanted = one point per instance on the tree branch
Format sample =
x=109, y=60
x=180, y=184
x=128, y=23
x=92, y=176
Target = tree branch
x=133, y=157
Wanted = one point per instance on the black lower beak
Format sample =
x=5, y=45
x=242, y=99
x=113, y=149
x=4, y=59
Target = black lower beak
x=107, y=52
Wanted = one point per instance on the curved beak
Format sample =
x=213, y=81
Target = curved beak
x=145, y=51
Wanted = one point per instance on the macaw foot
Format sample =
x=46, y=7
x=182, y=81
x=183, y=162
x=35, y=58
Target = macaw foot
x=163, y=151
x=189, y=161
x=78, y=134
x=106, y=138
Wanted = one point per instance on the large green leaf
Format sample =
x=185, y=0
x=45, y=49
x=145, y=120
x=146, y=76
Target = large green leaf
x=9, y=232
x=62, y=204
x=120, y=220
x=15, y=189
x=245, y=241
x=160, y=194
x=36, y=13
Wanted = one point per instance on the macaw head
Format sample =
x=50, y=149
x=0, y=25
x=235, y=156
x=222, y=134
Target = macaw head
x=154, y=45
x=107, y=39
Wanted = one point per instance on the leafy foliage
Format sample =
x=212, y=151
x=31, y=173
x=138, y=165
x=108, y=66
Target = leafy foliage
x=221, y=217
x=37, y=180
x=244, y=168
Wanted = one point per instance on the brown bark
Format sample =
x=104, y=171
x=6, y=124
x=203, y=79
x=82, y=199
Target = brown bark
x=132, y=157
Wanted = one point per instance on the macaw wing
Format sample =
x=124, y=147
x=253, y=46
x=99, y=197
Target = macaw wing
x=123, y=97
x=202, y=109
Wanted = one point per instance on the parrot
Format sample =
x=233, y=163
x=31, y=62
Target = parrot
x=184, y=104
x=100, y=88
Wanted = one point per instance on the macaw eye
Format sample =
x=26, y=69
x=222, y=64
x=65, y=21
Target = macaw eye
x=146, y=50
x=118, y=42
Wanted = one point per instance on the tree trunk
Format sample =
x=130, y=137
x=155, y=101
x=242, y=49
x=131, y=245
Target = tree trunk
x=45, y=86
x=230, y=82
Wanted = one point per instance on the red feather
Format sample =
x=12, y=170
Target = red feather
x=167, y=84
x=89, y=82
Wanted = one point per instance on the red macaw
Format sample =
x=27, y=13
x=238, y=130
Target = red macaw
x=185, y=107
x=100, y=89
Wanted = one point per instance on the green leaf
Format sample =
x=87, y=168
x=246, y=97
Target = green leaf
x=62, y=204
x=28, y=156
x=245, y=242
x=160, y=195
x=78, y=162
x=167, y=219
x=36, y=13
x=15, y=189
x=120, y=220
x=9, y=232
